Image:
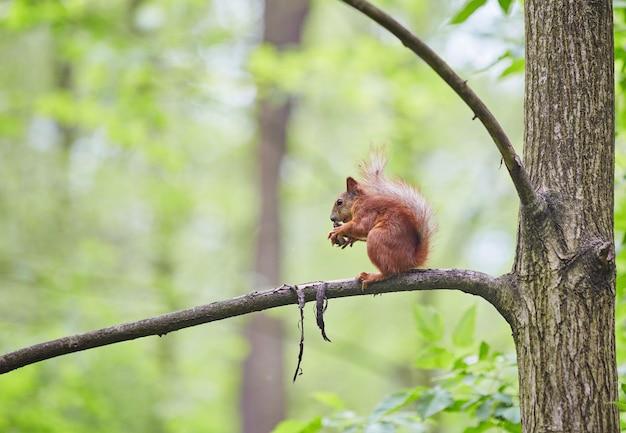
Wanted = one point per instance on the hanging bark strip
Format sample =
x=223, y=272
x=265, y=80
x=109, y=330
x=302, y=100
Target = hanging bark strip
x=321, y=303
x=300, y=294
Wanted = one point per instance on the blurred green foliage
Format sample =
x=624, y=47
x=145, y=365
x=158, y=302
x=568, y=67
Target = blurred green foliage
x=128, y=189
x=479, y=387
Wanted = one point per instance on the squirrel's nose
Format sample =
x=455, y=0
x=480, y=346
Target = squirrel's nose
x=334, y=219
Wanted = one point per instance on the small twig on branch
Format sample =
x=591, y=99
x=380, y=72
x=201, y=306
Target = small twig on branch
x=513, y=163
x=472, y=282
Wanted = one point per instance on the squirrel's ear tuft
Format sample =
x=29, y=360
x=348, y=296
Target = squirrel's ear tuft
x=351, y=184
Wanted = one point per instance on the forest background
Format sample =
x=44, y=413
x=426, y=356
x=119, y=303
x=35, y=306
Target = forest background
x=129, y=187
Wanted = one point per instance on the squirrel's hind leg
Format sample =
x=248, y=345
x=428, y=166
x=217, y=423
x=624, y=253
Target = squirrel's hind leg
x=366, y=278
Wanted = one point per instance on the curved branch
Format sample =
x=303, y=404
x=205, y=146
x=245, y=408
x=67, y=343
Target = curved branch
x=475, y=283
x=513, y=163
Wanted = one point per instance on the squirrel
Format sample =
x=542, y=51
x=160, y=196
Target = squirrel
x=391, y=216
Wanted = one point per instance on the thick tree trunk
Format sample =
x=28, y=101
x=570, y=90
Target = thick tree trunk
x=263, y=388
x=563, y=324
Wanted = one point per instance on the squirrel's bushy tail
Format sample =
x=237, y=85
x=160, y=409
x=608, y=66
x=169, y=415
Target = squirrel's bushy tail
x=375, y=182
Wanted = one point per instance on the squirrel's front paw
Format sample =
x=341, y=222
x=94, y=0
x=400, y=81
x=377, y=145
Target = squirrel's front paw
x=345, y=241
x=334, y=237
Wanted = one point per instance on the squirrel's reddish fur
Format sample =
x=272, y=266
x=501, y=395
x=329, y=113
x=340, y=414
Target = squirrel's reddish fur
x=391, y=216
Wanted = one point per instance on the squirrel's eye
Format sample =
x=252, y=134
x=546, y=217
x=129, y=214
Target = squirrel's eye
x=339, y=202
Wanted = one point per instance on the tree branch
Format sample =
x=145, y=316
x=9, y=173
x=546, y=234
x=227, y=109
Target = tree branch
x=475, y=283
x=513, y=163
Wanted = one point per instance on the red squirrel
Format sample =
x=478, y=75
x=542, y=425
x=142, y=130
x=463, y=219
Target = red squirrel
x=391, y=216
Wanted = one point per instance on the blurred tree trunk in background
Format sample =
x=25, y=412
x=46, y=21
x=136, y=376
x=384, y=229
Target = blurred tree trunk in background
x=166, y=228
x=64, y=81
x=170, y=217
x=263, y=388
x=63, y=71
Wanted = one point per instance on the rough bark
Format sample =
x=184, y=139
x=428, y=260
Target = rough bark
x=263, y=387
x=564, y=321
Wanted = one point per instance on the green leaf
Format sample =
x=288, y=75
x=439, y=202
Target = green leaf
x=433, y=401
x=483, y=351
x=294, y=426
x=460, y=364
x=346, y=422
x=289, y=426
x=505, y=5
x=472, y=403
x=406, y=422
x=621, y=405
x=511, y=414
x=483, y=426
x=434, y=357
x=516, y=67
x=463, y=335
x=467, y=10
x=429, y=323
x=483, y=412
x=395, y=401
x=501, y=397
x=313, y=426
x=512, y=427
